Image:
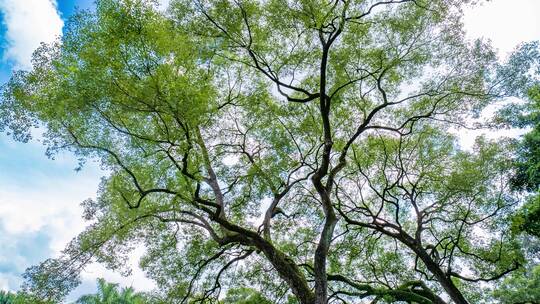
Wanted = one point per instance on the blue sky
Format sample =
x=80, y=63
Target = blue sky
x=39, y=197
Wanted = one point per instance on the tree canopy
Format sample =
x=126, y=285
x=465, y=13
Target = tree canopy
x=299, y=150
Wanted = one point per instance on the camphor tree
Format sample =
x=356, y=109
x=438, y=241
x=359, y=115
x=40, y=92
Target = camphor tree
x=298, y=148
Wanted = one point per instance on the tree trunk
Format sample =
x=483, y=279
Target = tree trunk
x=445, y=281
x=321, y=278
x=285, y=267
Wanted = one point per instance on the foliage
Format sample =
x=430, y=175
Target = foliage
x=300, y=149
x=528, y=162
x=245, y=296
x=527, y=174
x=527, y=219
x=20, y=298
x=520, y=288
x=6, y=297
x=108, y=293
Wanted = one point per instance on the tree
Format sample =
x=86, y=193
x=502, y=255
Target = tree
x=108, y=293
x=245, y=296
x=20, y=298
x=527, y=164
x=300, y=148
x=521, y=287
x=6, y=297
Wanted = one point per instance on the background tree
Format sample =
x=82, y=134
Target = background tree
x=109, y=293
x=520, y=287
x=245, y=295
x=20, y=297
x=6, y=297
x=527, y=176
x=300, y=148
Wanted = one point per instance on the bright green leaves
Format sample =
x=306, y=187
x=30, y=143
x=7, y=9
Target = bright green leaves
x=113, y=69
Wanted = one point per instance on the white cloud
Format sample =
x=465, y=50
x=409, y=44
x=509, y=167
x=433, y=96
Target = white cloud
x=29, y=210
x=4, y=284
x=506, y=23
x=40, y=213
x=164, y=3
x=39, y=206
x=137, y=279
x=92, y=272
x=28, y=23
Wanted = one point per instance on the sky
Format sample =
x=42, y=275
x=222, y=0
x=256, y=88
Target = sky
x=40, y=197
